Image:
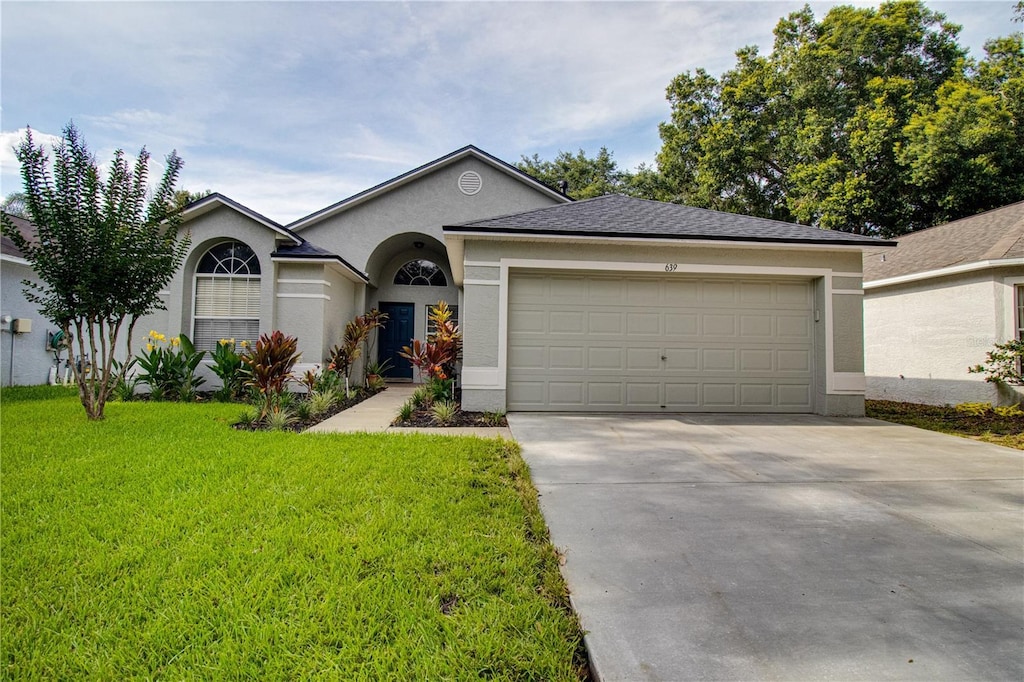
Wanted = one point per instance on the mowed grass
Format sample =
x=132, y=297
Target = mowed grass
x=989, y=427
x=161, y=543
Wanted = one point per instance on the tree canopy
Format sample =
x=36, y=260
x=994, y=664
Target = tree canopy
x=102, y=254
x=869, y=120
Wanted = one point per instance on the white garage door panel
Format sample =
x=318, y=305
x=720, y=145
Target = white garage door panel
x=596, y=342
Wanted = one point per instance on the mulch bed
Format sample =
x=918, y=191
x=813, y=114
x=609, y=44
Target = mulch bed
x=423, y=417
x=301, y=425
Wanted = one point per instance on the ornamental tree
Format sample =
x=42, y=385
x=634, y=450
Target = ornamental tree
x=101, y=250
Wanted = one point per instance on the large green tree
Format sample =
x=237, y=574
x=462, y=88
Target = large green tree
x=101, y=251
x=585, y=176
x=849, y=124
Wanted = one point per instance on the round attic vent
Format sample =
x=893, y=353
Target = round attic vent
x=470, y=182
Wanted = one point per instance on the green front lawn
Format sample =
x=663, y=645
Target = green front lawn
x=162, y=543
x=989, y=427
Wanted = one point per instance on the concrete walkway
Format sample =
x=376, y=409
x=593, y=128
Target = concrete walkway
x=734, y=547
x=374, y=415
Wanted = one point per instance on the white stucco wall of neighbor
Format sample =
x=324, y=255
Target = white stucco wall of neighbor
x=838, y=370
x=24, y=360
x=922, y=336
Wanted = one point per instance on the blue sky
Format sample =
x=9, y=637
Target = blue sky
x=290, y=106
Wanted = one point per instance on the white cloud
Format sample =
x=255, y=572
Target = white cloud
x=288, y=107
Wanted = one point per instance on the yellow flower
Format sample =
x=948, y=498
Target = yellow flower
x=175, y=341
x=149, y=347
x=245, y=344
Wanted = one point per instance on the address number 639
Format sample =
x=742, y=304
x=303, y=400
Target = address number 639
x=671, y=267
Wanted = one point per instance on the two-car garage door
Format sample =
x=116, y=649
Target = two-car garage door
x=670, y=343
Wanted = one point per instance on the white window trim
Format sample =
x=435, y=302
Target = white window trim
x=197, y=276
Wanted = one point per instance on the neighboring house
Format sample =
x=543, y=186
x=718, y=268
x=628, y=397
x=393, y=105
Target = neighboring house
x=938, y=302
x=24, y=356
x=607, y=304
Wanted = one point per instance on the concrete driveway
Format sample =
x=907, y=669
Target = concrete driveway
x=784, y=548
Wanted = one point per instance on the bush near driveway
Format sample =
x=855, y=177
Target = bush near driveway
x=161, y=543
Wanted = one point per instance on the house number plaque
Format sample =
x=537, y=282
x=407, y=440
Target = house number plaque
x=671, y=267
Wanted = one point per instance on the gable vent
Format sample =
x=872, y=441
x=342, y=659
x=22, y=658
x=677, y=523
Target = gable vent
x=470, y=183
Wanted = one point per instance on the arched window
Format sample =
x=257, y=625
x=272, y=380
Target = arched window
x=421, y=273
x=227, y=304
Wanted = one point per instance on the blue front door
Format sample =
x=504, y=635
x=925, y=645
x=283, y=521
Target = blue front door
x=397, y=332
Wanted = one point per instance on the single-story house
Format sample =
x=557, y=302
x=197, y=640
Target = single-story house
x=938, y=302
x=611, y=303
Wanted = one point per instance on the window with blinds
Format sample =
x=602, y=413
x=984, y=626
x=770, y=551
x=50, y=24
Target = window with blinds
x=227, y=296
x=1020, y=312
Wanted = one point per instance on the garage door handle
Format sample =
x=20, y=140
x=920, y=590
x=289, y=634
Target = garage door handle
x=664, y=357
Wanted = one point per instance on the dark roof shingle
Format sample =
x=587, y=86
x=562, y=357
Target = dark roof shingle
x=616, y=215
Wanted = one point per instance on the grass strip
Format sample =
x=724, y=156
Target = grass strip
x=160, y=543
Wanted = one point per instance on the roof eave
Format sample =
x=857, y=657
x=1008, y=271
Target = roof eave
x=467, y=231
x=211, y=201
x=347, y=268
x=943, y=272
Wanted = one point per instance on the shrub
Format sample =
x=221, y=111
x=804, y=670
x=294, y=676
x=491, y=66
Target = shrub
x=436, y=357
x=321, y=401
x=494, y=418
x=169, y=367
x=974, y=409
x=227, y=365
x=420, y=397
x=279, y=419
x=303, y=410
x=269, y=367
x=405, y=412
x=249, y=417
x=1009, y=411
x=124, y=386
x=1003, y=364
x=444, y=412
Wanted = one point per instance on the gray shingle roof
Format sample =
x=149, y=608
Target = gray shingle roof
x=994, y=235
x=28, y=231
x=621, y=216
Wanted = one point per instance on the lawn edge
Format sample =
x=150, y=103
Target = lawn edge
x=552, y=586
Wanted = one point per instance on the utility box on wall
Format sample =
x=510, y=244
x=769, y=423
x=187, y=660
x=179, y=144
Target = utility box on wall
x=21, y=325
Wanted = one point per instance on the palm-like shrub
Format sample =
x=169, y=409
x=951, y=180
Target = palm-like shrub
x=269, y=366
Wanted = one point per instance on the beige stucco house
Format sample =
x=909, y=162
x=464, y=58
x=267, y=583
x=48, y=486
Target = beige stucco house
x=938, y=302
x=612, y=303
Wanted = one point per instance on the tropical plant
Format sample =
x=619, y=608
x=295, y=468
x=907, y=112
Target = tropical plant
x=321, y=402
x=279, y=419
x=406, y=411
x=444, y=411
x=124, y=390
x=420, y=397
x=102, y=253
x=269, y=366
x=169, y=367
x=227, y=365
x=374, y=320
x=436, y=357
x=494, y=418
x=249, y=417
x=328, y=382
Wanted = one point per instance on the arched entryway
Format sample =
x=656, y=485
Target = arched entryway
x=408, y=273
